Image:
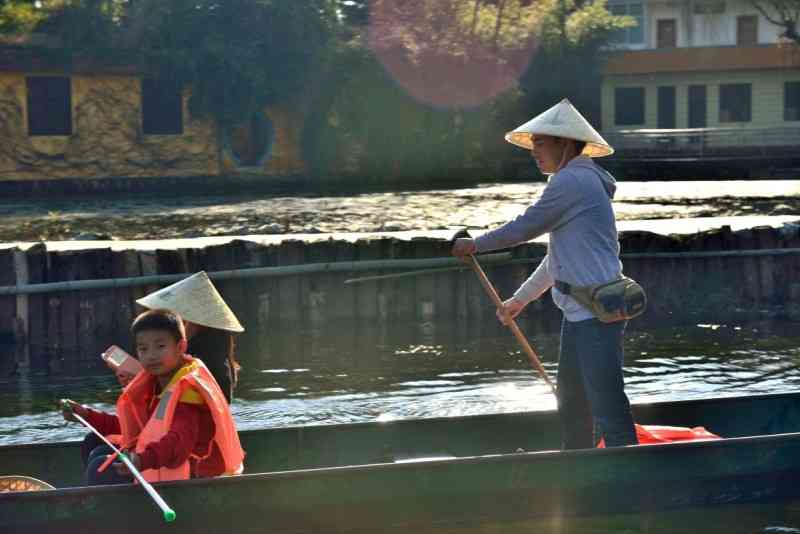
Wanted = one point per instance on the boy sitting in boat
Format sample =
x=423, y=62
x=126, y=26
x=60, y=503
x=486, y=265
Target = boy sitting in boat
x=173, y=417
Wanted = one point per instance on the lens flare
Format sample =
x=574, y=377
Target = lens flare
x=448, y=53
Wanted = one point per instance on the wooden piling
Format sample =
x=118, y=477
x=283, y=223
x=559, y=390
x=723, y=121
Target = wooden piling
x=8, y=313
x=73, y=326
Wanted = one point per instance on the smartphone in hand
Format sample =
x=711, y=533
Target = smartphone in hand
x=122, y=363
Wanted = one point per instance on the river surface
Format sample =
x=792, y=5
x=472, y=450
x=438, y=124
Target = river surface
x=481, y=206
x=337, y=375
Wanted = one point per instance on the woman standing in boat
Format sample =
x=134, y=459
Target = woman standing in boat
x=575, y=209
x=210, y=325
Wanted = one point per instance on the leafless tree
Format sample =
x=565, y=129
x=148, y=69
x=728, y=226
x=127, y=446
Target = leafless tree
x=782, y=13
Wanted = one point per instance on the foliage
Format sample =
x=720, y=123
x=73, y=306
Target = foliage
x=81, y=26
x=18, y=16
x=570, y=60
x=237, y=56
x=370, y=126
x=379, y=119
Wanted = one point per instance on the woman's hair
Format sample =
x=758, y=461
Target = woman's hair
x=217, y=349
x=233, y=363
x=159, y=319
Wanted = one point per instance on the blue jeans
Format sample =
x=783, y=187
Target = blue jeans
x=591, y=389
x=95, y=459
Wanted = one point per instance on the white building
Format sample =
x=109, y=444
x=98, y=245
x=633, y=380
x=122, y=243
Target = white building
x=699, y=64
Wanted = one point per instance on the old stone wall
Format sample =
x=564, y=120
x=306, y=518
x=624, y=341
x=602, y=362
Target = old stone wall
x=107, y=139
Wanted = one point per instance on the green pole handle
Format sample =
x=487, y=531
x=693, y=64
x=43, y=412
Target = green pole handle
x=169, y=513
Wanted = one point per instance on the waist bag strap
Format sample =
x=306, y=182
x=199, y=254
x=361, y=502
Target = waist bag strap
x=582, y=294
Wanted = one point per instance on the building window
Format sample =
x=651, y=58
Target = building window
x=629, y=106
x=635, y=34
x=747, y=30
x=709, y=7
x=162, y=107
x=734, y=102
x=697, y=106
x=666, y=107
x=791, y=101
x=49, y=105
x=666, y=33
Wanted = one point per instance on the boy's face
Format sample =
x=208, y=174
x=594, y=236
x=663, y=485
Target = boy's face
x=159, y=352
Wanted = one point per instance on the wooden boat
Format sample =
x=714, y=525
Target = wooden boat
x=417, y=474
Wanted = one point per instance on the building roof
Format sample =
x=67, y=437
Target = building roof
x=696, y=59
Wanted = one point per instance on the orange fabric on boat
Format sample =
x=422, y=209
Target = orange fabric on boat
x=649, y=434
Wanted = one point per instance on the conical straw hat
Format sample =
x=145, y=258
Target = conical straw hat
x=561, y=120
x=196, y=300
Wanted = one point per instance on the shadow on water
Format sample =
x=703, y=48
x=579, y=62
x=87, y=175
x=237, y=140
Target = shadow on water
x=340, y=374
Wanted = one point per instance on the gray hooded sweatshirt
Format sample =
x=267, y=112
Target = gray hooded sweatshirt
x=575, y=208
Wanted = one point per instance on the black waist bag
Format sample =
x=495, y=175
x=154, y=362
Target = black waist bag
x=619, y=300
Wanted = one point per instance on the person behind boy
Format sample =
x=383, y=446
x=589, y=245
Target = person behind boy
x=174, y=420
x=210, y=324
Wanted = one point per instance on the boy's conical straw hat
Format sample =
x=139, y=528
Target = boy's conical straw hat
x=561, y=120
x=196, y=300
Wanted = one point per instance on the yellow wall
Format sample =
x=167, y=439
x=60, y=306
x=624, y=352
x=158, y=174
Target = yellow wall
x=107, y=139
x=767, y=89
x=286, y=155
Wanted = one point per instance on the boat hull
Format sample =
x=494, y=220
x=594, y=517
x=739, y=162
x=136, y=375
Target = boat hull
x=493, y=487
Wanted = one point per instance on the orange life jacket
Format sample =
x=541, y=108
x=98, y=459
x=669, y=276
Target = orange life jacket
x=649, y=434
x=194, y=380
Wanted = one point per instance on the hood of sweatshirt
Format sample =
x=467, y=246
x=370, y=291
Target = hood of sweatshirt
x=609, y=183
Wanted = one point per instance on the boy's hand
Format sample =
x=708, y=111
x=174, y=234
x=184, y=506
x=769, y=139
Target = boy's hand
x=69, y=407
x=123, y=377
x=122, y=468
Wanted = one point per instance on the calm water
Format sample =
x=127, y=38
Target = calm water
x=481, y=206
x=426, y=370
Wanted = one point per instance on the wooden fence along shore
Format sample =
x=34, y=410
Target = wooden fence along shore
x=705, y=277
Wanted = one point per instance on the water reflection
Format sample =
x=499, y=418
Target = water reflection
x=349, y=375
x=481, y=206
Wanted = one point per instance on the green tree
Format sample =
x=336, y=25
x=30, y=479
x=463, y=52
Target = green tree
x=237, y=56
x=19, y=16
x=425, y=86
x=573, y=38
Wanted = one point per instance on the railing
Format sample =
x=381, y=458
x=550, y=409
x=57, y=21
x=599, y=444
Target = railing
x=706, y=143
